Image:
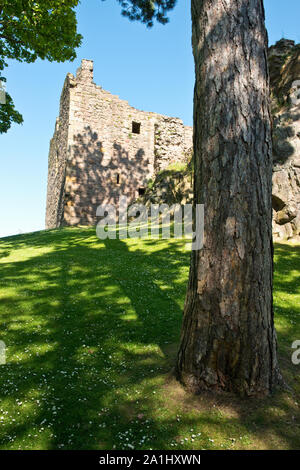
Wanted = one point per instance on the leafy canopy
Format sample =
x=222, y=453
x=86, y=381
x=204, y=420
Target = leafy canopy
x=29, y=29
x=47, y=29
x=147, y=10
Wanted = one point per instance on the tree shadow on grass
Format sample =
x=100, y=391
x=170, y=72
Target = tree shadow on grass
x=91, y=328
x=287, y=291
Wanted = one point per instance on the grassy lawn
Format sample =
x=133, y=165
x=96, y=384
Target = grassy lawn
x=91, y=329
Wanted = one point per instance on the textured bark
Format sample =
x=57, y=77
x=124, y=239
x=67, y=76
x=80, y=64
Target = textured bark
x=228, y=340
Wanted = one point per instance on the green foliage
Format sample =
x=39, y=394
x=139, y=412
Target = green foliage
x=44, y=29
x=8, y=115
x=147, y=11
x=29, y=29
x=177, y=167
x=92, y=328
x=150, y=183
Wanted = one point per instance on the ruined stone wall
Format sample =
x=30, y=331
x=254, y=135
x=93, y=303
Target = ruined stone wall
x=112, y=150
x=95, y=155
x=284, y=62
x=173, y=141
x=177, y=187
x=57, y=159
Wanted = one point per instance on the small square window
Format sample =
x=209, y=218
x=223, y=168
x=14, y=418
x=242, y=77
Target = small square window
x=136, y=127
x=142, y=191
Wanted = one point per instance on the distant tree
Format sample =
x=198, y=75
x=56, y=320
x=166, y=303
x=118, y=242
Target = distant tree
x=8, y=114
x=29, y=29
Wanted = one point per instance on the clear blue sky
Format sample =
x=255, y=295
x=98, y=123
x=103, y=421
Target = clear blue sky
x=152, y=69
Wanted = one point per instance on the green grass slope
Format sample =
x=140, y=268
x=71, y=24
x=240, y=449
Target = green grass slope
x=91, y=329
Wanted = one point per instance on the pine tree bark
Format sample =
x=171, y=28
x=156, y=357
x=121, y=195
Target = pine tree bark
x=228, y=340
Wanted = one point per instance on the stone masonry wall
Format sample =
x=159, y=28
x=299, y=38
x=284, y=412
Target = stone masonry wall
x=57, y=161
x=102, y=148
x=173, y=140
x=284, y=63
x=96, y=155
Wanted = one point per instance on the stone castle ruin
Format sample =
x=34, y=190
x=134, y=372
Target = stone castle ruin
x=103, y=148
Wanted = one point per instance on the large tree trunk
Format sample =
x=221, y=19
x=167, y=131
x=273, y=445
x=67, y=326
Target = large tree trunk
x=228, y=341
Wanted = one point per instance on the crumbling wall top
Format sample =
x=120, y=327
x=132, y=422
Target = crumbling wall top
x=86, y=71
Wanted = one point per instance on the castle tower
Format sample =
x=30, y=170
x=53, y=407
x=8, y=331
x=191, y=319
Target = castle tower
x=103, y=148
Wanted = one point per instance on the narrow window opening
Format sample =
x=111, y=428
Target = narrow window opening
x=118, y=178
x=136, y=127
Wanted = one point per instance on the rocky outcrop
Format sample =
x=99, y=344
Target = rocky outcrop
x=284, y=60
